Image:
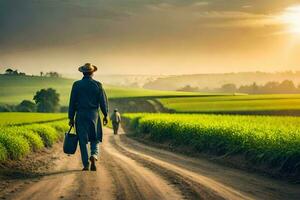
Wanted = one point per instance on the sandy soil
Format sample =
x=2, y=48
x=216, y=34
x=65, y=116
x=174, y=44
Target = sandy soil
x=130, y=170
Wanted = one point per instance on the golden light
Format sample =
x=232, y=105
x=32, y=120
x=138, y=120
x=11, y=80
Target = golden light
x=291, y=17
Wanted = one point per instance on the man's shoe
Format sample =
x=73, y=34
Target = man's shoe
x=86, y=168
x=93, y=163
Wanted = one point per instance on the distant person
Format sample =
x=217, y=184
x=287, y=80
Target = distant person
x=115, y=119
x=87, y=96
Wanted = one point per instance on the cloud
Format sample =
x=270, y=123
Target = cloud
x=160, y=6
x=236, y=19
x=247, y=6
x=229, y=15
x=200, y=4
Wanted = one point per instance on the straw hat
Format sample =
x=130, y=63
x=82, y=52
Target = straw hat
x=88, y=67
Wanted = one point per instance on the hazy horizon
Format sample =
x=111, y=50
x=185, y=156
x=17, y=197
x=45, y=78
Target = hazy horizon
x=150, y=37
x=76, y=73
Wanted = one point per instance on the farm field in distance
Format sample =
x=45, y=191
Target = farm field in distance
x=234, y=104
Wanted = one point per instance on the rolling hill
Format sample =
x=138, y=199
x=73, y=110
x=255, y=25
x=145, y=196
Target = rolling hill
x=14, y=89
x=211, y=81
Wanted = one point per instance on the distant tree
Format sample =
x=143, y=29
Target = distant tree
x=9, y=71
x=287, y=86
x=251, y=89
x=53, y=74
x=15, y=72
x=189, y=88
x=26, y=106
x=270, y=87
x=47, y=100
x=7, y=108
x=254, y=88
x=284, y=87
x=229, y=87
x=41, y=73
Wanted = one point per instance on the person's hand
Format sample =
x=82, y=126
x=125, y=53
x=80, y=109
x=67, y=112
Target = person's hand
x=71, y=122
x=105, y=121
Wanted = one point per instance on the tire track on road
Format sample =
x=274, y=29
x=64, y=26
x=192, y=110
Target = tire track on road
x=132, y=180
x=205, y=178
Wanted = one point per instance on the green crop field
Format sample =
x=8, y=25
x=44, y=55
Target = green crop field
x=241, y=103
x=272, y=141
x=18, y=139
x=14, y=89
x=14, y=118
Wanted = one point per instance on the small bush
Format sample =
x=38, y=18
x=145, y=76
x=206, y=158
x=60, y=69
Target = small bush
x=46, y=132
x=16, y=145
x=34, y=140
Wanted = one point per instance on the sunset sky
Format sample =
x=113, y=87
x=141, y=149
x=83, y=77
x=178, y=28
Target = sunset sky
x=150, y=36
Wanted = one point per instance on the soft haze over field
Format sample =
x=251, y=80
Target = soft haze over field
x=150, y=36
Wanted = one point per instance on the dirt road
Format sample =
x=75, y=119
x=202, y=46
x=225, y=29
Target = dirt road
x=131, y=170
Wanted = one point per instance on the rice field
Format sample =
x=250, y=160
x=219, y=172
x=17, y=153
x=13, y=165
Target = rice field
x=268, y=140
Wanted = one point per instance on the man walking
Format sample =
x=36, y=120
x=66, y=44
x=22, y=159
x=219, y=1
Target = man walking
x=115, y=119
x=87, y=96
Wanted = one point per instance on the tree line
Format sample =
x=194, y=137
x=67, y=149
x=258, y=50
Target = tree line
x=45, y=100
x=15, y=72
x=272, y=87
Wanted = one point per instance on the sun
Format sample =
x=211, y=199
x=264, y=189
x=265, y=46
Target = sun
x=291, y=17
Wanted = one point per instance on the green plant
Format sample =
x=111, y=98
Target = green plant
x=16, y=145
x=3, y=153
x=46, y=132
x=34, y=140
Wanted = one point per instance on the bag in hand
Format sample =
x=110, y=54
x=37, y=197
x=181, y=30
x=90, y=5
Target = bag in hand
x=70, y=142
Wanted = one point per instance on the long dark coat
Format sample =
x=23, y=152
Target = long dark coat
x=87, y=96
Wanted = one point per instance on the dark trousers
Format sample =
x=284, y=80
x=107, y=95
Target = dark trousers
x=115, y=127
x=94, y=146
